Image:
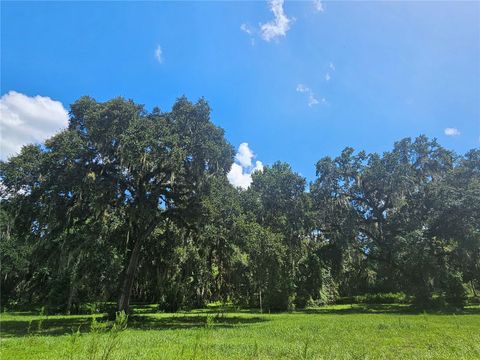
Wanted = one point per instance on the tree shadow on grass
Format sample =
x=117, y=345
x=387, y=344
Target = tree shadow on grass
x=183, y=321
x=44, y=327
x=22, y=325
x=390, y=309
x=67, y=325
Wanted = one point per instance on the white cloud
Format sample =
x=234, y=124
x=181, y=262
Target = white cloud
x=258, y=166
x=318, y=5
x=302, y=88
x=25, y=120
x=244, y=155
x=246, y=29
x=451, y=132
x=240, y=174
x=278, y=26
x=328, y=75
x=312, y=100
x=158, y=54
x=237, y=178
x=249, y=31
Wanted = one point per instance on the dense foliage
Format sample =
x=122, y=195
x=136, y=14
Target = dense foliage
x=127, y=205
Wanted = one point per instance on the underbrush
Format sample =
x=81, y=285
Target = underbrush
x=378, y=298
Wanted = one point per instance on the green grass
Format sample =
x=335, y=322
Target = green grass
x=332, y=332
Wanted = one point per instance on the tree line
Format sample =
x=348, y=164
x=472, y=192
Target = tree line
x=127, y=205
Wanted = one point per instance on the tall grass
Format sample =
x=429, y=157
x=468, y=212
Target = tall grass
x=104, y=339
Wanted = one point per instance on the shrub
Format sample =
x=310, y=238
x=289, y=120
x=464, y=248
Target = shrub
x=377, y=298
x=385, y=298
x=455, y=291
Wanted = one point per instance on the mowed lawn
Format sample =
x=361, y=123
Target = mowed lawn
x=332, y=332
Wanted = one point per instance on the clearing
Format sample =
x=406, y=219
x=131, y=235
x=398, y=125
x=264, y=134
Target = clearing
x=331, y=332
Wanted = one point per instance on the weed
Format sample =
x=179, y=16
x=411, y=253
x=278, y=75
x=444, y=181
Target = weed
x=209, y=321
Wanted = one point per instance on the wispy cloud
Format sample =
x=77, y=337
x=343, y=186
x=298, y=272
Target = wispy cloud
x=312, y=100
x=302, y=88
x=451, y=132
x=246, y=29
x=331, y=69
x=279, y=25
x=28, y=119
x=240, y=174
x=318, y=5
x=159, y=54
x=249, y=31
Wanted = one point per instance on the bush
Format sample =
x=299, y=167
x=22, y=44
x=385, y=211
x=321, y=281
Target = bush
x=455, y=291
x=378, y=298
x=385, y=298
x=474, y=300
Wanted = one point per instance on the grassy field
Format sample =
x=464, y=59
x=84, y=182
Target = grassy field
x=333, y=332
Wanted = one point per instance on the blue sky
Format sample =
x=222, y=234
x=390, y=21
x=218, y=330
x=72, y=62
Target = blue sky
x=395, y=69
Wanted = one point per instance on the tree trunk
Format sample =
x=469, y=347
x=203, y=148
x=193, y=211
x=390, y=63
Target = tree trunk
x=126, y=292
x=73, y=288
x=124, y=301
x=71, y=294
x=261, y=305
